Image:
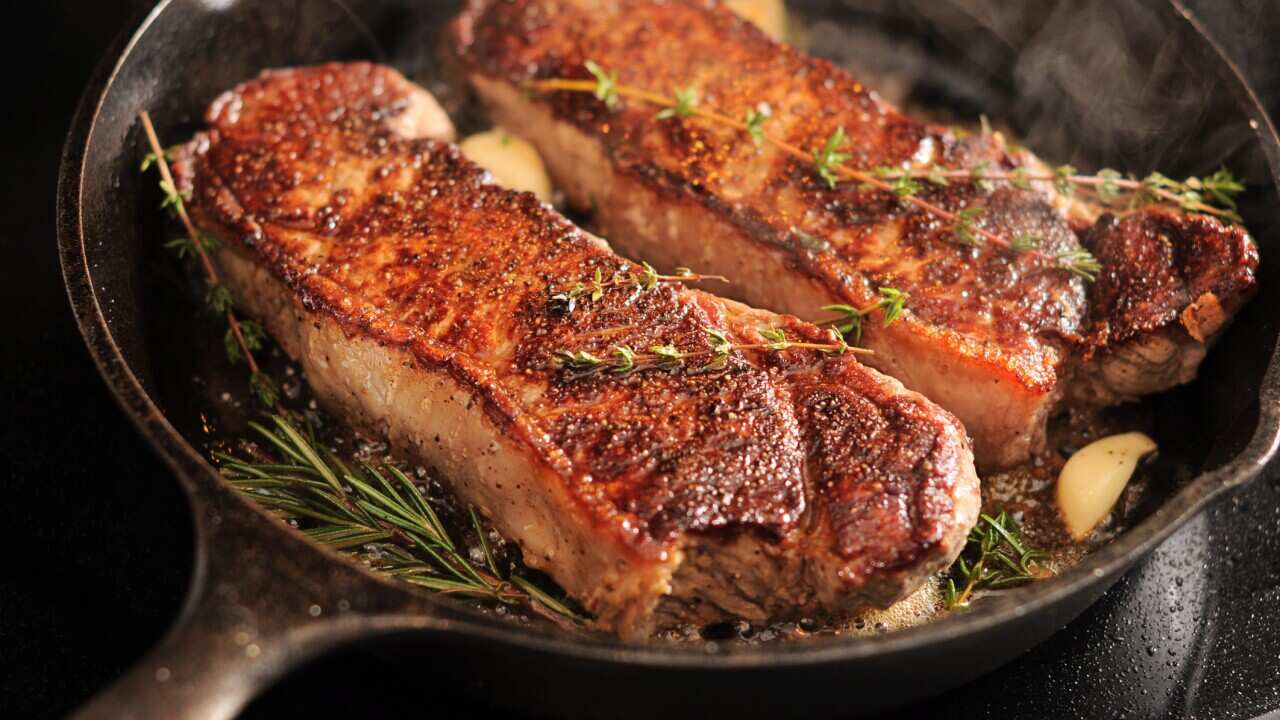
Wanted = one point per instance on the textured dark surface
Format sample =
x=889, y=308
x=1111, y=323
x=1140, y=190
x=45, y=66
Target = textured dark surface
x=99, y=539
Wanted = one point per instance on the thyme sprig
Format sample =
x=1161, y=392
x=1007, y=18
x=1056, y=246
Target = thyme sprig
x=848, y=321
x=828, y=161
x=646, y=278
x=624, y=359
x=376, y=514
x=243, y=337
x=995, y=557
x=1214, y=195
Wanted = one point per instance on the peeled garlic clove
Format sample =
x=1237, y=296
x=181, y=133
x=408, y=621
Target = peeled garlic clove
x=768, y=15
x=514, y=163
x=1092, y=480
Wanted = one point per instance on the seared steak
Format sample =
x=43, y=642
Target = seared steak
x=418, y=299
x=996, y=338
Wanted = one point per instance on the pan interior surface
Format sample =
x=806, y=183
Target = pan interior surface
x=1126, y=85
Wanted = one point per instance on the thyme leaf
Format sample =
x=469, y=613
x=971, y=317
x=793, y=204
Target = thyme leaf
x=754, y=122
x=719, y=341
x=849, y=319
x=218, y=298
x=626, y=359
x=777, y=338
x=686, y=101
x=1109, y=188
x=579, y=360
x=966, y=220
x=829, y=157
x=264, y=389
x=152, y=158
x=1062, y=179
x=892, y=301
x=606, y=89
x=666, y=353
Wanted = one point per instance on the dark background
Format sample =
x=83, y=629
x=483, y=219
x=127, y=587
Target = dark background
x=98, y=540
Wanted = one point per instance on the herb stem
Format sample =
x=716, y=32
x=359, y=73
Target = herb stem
x=829, y=162
x=377, y=515
x=623, y=360
x=995, y=556
x=162, y=163
x=789, y=148
x=862, y=312
x=646, y=279
x=971, y=584
x=260, y=383
x=1090, y=181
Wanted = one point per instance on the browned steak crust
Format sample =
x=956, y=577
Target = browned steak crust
x=855, y=487
x=988, y=334
x=1170, y=282
x=1157, y=262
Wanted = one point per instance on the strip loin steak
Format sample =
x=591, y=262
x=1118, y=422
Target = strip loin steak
x=415, y=296
x=1004, y=341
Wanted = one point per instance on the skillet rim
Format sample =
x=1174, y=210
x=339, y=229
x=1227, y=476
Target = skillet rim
x=195, y=473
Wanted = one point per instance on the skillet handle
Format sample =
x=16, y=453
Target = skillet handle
x=262, y=602
x=208, y=667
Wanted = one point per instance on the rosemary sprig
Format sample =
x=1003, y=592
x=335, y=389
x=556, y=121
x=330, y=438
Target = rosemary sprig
x=848, y=321
x=995, y=557
x=376, y=514
x=646, y=278
x=1214, y=195
x=1081, y=263
x=242, y=337
x=624, y=360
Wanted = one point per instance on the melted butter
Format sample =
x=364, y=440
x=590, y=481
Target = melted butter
x=768, y=15
x=917, y=608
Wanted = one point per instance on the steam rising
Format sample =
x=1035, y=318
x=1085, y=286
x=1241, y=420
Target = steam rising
x=1094, y=83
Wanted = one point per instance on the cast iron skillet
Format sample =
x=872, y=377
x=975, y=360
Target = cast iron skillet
x=1132, y=85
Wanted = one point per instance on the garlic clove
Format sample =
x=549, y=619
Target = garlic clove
x=1092, y=480
x=768, y=15
x=514, y=163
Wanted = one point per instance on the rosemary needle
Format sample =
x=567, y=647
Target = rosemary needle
x=995, y=556
x=376, y=514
